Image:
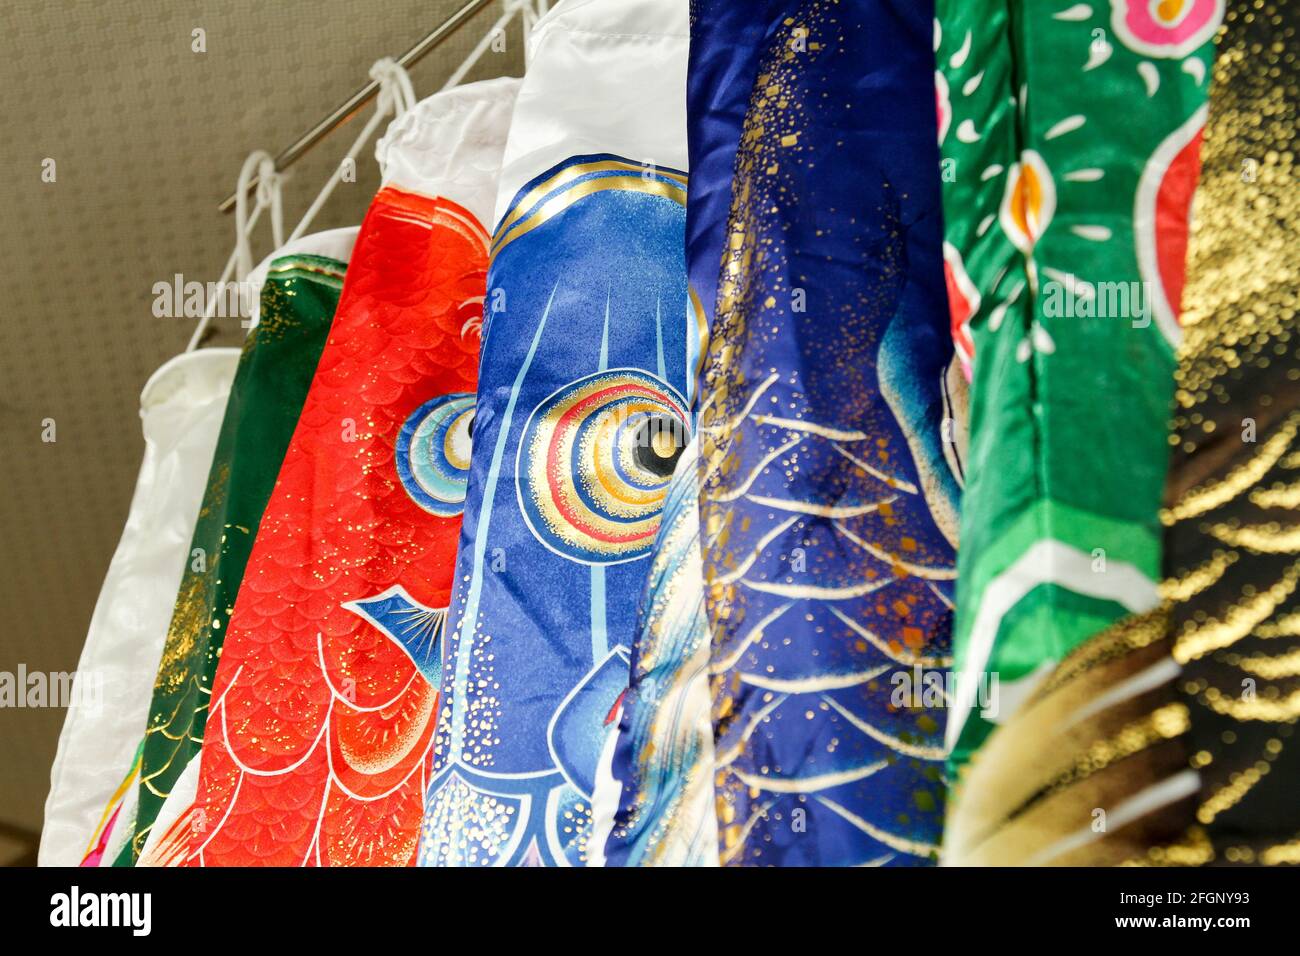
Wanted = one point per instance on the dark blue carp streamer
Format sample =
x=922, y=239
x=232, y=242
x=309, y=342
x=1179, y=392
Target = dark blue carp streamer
x=828, y=494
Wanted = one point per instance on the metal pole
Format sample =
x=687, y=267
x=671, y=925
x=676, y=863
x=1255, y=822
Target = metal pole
x=361, y=97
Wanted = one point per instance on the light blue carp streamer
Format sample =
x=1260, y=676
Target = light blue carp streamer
x=663, y=758
x=580, y=419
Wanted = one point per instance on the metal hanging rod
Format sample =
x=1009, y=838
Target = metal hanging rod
x=361, y=97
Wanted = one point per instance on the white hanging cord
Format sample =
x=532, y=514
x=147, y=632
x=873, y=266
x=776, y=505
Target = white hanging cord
x=238, y=264
x=396, y=95
x=511, y=8
x=387, y=72
x=211, y=307
x=269, y=184
x=268, y=195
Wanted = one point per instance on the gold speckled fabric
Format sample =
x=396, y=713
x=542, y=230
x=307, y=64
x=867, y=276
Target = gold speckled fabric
x=828, y=487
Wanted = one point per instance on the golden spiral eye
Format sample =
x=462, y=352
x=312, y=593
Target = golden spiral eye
x=432, y=453
x=594, y=463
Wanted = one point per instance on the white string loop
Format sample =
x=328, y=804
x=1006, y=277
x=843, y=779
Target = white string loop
x=268, y=195
x=270, y=185
x=510, y=8
x=396, y=96
x=240, y=261
x=395, y=83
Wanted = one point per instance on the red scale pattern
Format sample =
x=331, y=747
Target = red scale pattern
x=319, y=740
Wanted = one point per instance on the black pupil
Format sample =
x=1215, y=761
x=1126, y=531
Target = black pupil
x=658, y=434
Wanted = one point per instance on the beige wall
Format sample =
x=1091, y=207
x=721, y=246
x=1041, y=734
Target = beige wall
x=147, y=137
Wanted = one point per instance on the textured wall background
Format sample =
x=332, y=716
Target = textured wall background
x=148, y=137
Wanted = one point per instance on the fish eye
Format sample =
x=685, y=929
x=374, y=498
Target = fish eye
x=659, y=443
